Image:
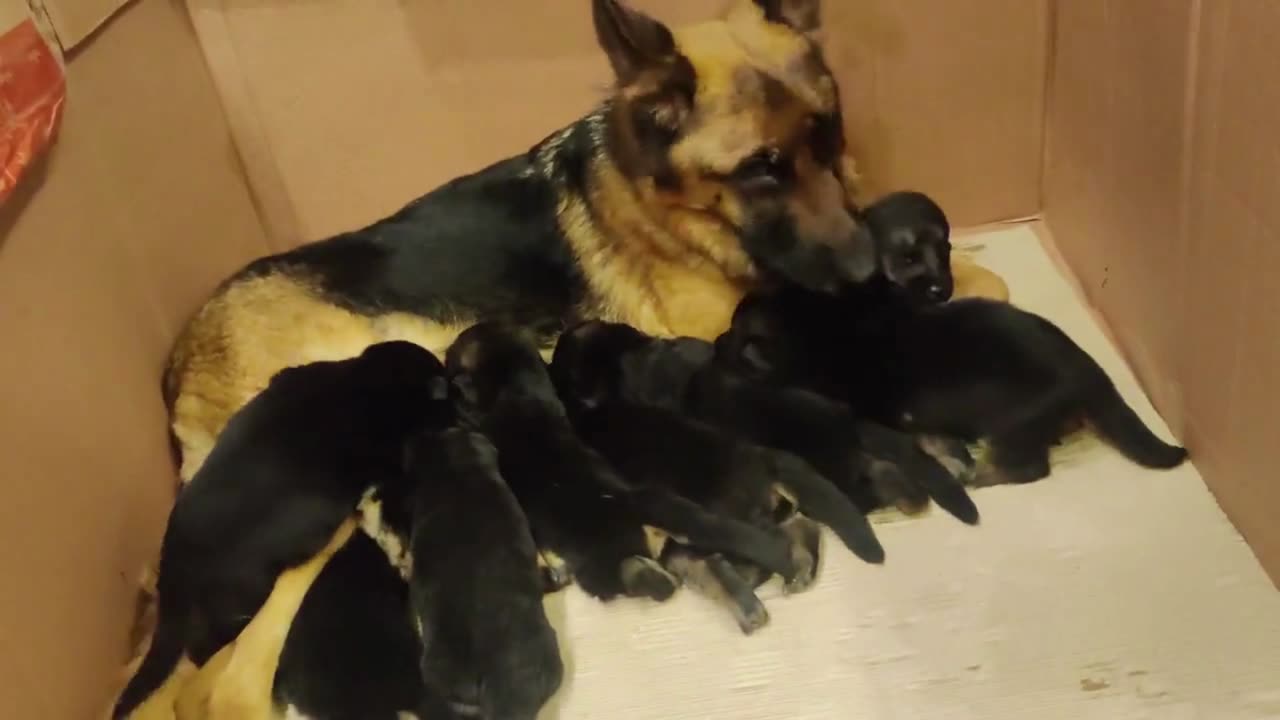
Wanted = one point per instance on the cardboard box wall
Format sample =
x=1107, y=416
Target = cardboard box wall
x=179, y=159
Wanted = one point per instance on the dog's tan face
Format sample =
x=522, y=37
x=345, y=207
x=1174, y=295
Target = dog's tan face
x=737, y=122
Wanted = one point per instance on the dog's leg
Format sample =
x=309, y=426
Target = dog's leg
x=893, y=488
x=1015, y=458
x=162, y=703
x=242, y=690
x=951, y=453
x=714, y=577
x=554, y=571
x=806, y=548
x=974, y=280
x=644, y=577
x=193, y=703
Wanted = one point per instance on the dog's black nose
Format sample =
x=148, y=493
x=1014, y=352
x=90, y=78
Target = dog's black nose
x=936, y=293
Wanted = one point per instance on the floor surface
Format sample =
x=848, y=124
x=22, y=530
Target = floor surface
x=1105, y=591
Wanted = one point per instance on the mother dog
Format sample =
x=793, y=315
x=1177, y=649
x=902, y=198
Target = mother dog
x=717, y=157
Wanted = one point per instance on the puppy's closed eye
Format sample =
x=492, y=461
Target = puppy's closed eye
x=754, y=355
x=439, y=388
x=463, y=388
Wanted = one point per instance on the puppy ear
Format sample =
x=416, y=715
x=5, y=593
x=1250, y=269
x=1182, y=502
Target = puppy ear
x=439, y=388
x=753, y=355
x=801, y=15
x=464, y=388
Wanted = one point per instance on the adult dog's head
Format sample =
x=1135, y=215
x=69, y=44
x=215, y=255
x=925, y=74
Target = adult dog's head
x=732, y=129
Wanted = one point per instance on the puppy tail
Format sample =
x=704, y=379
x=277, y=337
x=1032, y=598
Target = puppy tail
x=1115, y=421
x=167, y=647
x=821, y=500
x=689, y=523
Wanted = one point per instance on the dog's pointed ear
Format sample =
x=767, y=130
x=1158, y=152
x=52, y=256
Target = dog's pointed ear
x=801, y=15
x=657, y=82
x=634, y=42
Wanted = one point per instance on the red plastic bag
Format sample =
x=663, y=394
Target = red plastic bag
x=32, y=90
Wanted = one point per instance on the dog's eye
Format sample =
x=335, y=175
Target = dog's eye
x=826, y=138
x=765, y=169
x=912, y=256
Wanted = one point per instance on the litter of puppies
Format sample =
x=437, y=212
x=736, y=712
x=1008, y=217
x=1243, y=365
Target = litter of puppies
x=629, y=464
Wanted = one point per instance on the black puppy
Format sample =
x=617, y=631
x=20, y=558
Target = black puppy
x=582, y=512
x=476, y=590
x=666, y=446
x=353, y=652
x=657, y=447
x=874, y=466
x=913, y=247
x=971, y=368
x=465, y=637
x=287, y=470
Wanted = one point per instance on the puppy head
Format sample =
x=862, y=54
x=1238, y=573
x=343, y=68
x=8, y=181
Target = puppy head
x=400, y=374
x=768, y=337
x=491, y=365
x=587, y=363
x=733, y=127
x=913, y=245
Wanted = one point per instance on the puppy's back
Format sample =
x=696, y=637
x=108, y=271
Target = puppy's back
x=476, y=590
x=351, y=653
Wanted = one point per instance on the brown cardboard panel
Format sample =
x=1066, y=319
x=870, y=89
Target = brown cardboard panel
x=75, y=20
x=1159, y=187
x=1231, y=363
x=140, y=211
x=946, y=97
x=345, y=109
x=1113, y=179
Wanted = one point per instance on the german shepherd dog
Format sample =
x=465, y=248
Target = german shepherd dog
x=431, y=647
x=716, y=162
x=608, y=532
x=875, y=466
x=973, y=368
x=290, y=469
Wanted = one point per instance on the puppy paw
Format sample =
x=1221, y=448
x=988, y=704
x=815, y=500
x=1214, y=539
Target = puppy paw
x=952, y=454
x=555, y=579
x=753, y=618
x=642, y=577
x=804, y=571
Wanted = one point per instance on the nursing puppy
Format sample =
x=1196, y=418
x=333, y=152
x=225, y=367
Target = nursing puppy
x=656, y=447
x=366, y=645
x=607, y=532
x=476, y=589
x=653, y=445
x=874, y=466
x=971, y=368
x=290, y=468
x=352, y=652
x=717, y=157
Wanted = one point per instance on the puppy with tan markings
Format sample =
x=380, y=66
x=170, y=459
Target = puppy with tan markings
x=466, y=636
x=291, y=466
x=700, y=460
x=656, y=447
x=873, y=465
x=971, y=368
x=608, y=532
x=475, y=588
x=353, y=652
x=716, y=159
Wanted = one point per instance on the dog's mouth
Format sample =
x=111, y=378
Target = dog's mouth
x=815, y=265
